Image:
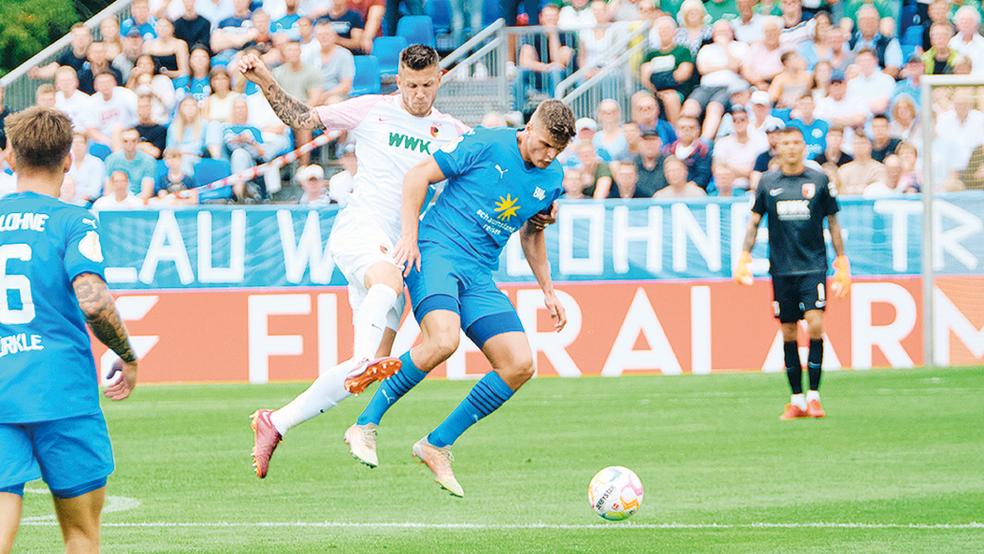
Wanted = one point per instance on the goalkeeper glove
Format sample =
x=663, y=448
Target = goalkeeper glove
x=743, y=273
x=842, y=276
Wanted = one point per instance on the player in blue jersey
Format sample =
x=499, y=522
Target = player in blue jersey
x=497, y=180
x=51, y=425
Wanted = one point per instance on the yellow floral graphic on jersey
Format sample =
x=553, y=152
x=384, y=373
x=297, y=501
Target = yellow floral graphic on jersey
x=506, y=207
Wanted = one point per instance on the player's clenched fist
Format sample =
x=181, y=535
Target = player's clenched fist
x=842, y=277
x=743, y=273
x=253, y=68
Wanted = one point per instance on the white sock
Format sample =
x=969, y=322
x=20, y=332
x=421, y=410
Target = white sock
x=798, y=400
x=813, y=395
x=370, y=321
x=325, y=393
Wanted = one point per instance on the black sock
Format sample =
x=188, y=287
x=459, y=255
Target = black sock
x=794, y=371
x=815, y=363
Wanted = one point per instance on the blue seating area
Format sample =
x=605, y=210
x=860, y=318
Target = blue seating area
x=417, y=29
x=367, y=77
x=387, y=52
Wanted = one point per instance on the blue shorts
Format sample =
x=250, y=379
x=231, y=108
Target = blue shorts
x=73, y=455
x=450, y=281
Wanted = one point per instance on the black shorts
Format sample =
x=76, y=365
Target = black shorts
x=795, y=294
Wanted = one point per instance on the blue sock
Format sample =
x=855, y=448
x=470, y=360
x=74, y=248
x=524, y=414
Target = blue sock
x=391, y=390
x=485, y=397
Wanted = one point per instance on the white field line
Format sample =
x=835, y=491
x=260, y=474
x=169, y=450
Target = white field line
x=523, y=526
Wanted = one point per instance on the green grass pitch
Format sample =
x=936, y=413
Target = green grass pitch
x=898, y=462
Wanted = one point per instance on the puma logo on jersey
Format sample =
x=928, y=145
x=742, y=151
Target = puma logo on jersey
x=399, y=140
x=502, y=172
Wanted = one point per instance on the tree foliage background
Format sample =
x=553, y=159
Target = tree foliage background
x=28, y=26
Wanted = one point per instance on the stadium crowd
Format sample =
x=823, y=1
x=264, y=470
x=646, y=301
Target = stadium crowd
x=156, y=97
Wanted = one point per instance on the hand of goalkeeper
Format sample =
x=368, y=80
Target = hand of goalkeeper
x=743, y=273
x=842, y=277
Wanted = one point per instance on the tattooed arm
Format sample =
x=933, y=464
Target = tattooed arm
x=100, y=312
x=290, y=110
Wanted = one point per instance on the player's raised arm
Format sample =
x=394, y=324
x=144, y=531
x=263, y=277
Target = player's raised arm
x=534, y=244
x=415, y=185
x=290, y=110
x=100, y=312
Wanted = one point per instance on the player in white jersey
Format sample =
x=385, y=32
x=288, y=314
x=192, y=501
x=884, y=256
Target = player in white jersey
x=392, y=134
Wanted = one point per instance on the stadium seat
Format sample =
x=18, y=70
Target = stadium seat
x=367, y=77
x=208, y=171
x=912, y=36
x=417, y=29
x=387, y=51
x=100, y=150
x=440, y=14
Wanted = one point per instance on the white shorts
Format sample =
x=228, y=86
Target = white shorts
x=356, y=243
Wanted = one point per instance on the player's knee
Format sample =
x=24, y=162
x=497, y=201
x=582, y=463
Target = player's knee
x=385, y=274
x=518, y=371
x=81, y=540
x=445, y=344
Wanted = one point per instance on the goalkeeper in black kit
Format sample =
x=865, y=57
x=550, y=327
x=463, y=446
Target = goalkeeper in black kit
x=796, y=199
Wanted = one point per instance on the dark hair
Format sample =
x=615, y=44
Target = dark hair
x=880, y=116
x=418, y=57
x=558, y=120
x=41, y=137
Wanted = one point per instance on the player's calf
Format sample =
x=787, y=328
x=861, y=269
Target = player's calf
x=10, y=512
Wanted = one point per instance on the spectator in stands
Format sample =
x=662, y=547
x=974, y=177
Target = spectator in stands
x=939, y=59
x=888, y=52
x=197, y=83
x=187, y=132
x=611, y=138
x=958, y=132
x=170, y=54
x=761, y=111
x=372, y=13
x=962, y=66
x=44, y=96
x=87, y=172
x=113, y=109
x=904, y=124
x=626, y=180
x=460, y=9
x=233, y=33
x=796, y=29
x=69, y=99
x=140, y=20
x=133, y=45
x=792, y=82
x=263, y=43
x=341, y=184
x=75, y=57
x=764, y=59
x=153, y=135
x=314, y=189
x=336, y=63
x=890, y=186
x=718, y=64
x=856, y=175
x=145, y=80
x=109, y=34
x=573, y=184
x=721, y=9
x=737, y=152
x=938, y=13
x=814, y=130
x=218, y=106
x=215, y=10
x=968, y=40
x=668, y=69
x=748, y=24
x=694, y=30
x=645, y=114
x=118, y=195
x=275, y=136
x=175, y=179
x=285, y=23
x=96, y=63
x=833, y=50
x=242, y=143
x=633, y=136
x=838, y=109
x=191, y=27
x=595, y=173
x=822, y=72
x=870, y=87
x=302, y=82
x=832, y=152
x=649, y=164
x=576, y=15
x=594, y=43
x=540, y=69
x=677, y=183
x=138, y=166
x=911, y=83
x=764, y=162
x=911, y=179
x=692, y=151
x=347, y=23
x=882, y=142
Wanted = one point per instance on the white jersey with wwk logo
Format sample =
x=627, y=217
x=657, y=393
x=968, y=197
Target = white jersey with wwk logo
x=388, y=142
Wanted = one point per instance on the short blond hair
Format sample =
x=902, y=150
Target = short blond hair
x=40, y=137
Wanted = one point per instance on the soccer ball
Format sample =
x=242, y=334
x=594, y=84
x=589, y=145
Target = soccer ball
x=615, y=493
